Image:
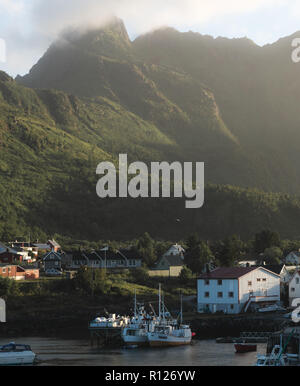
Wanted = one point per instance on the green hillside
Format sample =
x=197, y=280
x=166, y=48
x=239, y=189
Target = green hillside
x=165, y=97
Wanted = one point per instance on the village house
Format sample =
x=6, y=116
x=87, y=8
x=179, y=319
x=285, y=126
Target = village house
x=16, y=272
x=175, y=250
x=293, y=258
x=247, y=263
x=10, y=255
x=294, y=287
x=168, y=266
x=123, y=258
x=51, y=245
x=26, y=247
x=52, y=261
x=233, y=290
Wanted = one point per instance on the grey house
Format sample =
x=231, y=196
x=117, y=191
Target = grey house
x=52, y=260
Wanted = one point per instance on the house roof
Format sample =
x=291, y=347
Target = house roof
x=297, y=253
x=52, y=256
x=227, y=273
x=42, y=246
x=174, y=260
x=274, y=268
x=175, y=249
x=53, y=243
x=4, y=249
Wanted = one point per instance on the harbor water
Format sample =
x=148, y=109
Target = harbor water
x=58, y=352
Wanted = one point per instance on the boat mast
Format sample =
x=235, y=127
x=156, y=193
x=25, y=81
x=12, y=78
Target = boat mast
x=159, y=301
x=135, y=310
x=181, y=308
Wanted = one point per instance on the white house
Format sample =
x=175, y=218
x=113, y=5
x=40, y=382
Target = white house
x=293, y=258
x=294, y=287
x=232, y=290
x=175, y=250
x=247, y=263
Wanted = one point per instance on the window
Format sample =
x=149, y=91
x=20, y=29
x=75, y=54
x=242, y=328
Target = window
x=249, y=283
x=206, y=282
x=220, y=282
x=220, y=294
x=231, y=306
x=4, y=270
x=206, y=294
x=258, y=279
x=297, y=280
x=230, y=294
x=264, y=279
x=293, y=289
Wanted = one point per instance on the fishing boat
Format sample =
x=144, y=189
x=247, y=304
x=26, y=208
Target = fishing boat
x=135, y=334
x=14, y=354
x=241, y=348
x=169, y=333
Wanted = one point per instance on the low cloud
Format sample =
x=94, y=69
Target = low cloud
x=29, y=26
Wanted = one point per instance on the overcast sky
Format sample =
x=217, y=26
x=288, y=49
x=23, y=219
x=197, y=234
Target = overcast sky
x=29, y=26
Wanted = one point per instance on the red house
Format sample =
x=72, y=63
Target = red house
x=10, y=256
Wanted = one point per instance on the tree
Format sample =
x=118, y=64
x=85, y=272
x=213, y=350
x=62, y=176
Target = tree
x=140, y=275
x=266, y=239
x=273, y=255
x=146, y=249
x=197, y=255
x=91, y=281
x=185, y=275
x=229, y=251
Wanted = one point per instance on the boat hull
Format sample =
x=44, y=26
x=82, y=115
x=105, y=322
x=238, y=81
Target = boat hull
x=160, y=343
x=17, y=359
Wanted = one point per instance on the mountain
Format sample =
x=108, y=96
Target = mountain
x=167, y=96
x=176, y=102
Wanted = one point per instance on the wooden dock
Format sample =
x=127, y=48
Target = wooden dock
x=247, y=337
x=106, y=336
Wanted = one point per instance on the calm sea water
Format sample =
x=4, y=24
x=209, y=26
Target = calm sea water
x=57, y=352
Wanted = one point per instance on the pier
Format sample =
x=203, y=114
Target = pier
x=105, y=336
x=247, y=337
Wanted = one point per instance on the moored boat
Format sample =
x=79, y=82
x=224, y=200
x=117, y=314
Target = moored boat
x=169, y=333
x=14, y=354
x=136, y=332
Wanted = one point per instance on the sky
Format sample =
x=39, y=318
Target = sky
x=28, y=27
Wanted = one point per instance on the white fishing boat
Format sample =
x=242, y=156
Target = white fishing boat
x=14, y=354
x=135, y=334
x=169, y=333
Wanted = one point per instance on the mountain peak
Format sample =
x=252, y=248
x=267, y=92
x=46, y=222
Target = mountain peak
x=111, y=39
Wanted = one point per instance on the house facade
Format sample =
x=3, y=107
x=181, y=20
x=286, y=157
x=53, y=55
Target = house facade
x=168, y=266
x=109, y=259
x=16, y=272
x=294, y=287
x=175, y=250
x=232, y=290
x=293, y=258
x=52, y=260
